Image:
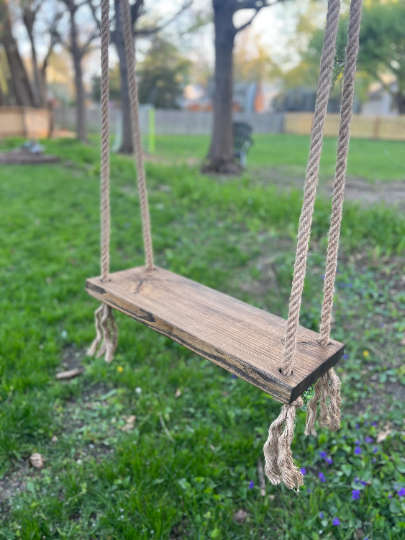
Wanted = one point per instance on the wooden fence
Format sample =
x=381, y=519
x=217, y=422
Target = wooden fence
x=24, y=122
x=171, y=122
x=362, y=126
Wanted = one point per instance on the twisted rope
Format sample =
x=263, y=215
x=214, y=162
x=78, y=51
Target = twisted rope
x=328, y=386
x=279, y=465
x=341, y=166
x=105, y=142
x=311, y=181
x=106, y=330
x=136, y=131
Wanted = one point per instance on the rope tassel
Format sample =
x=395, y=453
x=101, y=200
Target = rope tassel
x=106, y=339
x=326, y=388
x=279, y=465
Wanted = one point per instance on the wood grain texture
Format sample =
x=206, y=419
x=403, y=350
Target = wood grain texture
x=238, y=337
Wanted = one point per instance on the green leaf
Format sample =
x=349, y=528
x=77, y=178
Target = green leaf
x=216, y=533
x=395, y=507
x=347, y=469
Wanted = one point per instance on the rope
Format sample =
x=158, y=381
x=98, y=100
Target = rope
x=328, y=386
x=136, y=131
x=106, y=330
x=105, y=142
x=279, y=465
x=311, y=181
x=341, y=166
x=277, y=451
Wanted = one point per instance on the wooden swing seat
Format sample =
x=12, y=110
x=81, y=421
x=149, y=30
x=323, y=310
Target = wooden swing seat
x=245, y=340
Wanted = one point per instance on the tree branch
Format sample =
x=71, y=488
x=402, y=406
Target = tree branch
x=84, y=48
x=254, y=4
x=93, y=10
x=158, y=28
x=249, y=21
x=55, y=38
x=257, y=5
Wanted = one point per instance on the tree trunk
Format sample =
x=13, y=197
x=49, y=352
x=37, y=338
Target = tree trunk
x=126, y=145
x=77, y=65
x=39, y=94
x=21, y=86
x=220, y=157
x=400, y=101
x=29, y=21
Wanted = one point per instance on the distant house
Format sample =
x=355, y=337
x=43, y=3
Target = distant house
x=247, y=97
x=380, y=102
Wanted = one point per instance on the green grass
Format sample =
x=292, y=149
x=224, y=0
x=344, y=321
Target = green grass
x=372, y=160
x=100, y=482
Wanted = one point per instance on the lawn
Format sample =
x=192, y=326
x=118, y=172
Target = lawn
x=188, y=464
x=368, y=159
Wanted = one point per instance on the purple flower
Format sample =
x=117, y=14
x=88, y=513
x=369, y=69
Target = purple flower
x=323, y=454
x=357, y=443
x=382, y=325
x=336, y=521
x=357, y=450
x=308, y=490
x=355, y=494
x=390, y=496
x=366, y=423
x=374, y=460
x=329, y=460
x=345, y=356
x=369, y=440
x=303, y=471
x=401, y=492
x=321, y=515
x=363, y=483
x=374, y=424
x=321, y=477
x=375, y=450
x=357, y=426
x=233, y=376
x=251, y=485
x=356, y=480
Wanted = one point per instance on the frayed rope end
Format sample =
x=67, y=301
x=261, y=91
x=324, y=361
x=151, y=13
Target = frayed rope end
x=327, y=387
x=279, y=465
x=106, y=334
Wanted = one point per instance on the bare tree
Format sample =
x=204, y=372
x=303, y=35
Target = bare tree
x=137, y=11
x=78, y=46
x=220, y=156
x=30, y=11
x=20, y=86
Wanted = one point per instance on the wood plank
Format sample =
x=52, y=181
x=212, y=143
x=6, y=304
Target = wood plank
x=243, y=339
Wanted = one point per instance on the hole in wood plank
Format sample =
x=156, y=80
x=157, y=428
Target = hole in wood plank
x=290, y=375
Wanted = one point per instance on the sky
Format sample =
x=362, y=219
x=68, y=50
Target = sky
x=274, y=25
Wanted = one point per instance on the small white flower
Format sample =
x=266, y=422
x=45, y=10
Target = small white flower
x=138, y=390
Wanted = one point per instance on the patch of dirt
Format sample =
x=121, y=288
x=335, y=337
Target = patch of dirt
x=14, y=481
x=72, y=358
x=357, y=189
x=365, y=193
